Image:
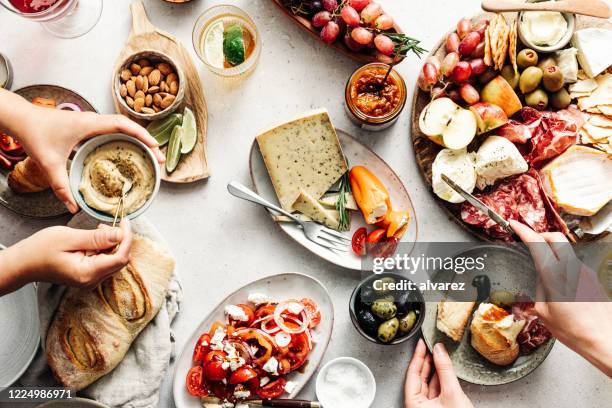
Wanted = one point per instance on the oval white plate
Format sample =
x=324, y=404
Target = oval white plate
x=19, y=333
x=357, y=154
x=279, y=287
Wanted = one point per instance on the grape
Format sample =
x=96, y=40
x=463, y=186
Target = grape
x=479, y=51
x=362, y=36
x=359, y=4
x=487, y=76
x=449, y=63
x=438, y=92
x=371, y=13
x=384, y=44
x=316, y=6
x=462, y=72
x=480, y=28
x=469, y=43
x=385, y=59
x=341, y=24
x=469, y=94
x=350, y=16
x=431, y=73
x=321, y=19
x=464, y=26
x=454, y=95
x=424, y=84
x=330, y=32
x=478, y=66
x=330, y=5
x=384, y=22
x=435, y=61
x=452, y=42
x=352, y=44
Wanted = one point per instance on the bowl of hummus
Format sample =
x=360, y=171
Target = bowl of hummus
x=109, y=168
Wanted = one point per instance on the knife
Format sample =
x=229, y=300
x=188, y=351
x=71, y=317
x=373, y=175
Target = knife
x=284, y=403
x=479, y=204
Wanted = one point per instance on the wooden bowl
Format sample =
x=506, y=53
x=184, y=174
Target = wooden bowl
x=155, y=57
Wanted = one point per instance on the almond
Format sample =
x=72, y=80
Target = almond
x=163, y=86
x=139, y=82
x=156, y=108
x=157, y=99
x=123, y=91
x=164, y=68
x=148, y=111
x=148, y=100
x=153, y=89
x=171, y=78
x=135, y=68
x=129, y=101
x=143, y=62
x=139, y=94
x=145, y=84
x=154, y=77
x=126, y=74
x=145, y=71
x=174, y=88
x=138, y=104
x=131, y=87
x=167, y=101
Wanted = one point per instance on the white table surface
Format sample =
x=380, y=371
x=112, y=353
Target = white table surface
x=222, y=243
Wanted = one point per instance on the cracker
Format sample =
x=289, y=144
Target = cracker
x=512, y=45
x=488, y=50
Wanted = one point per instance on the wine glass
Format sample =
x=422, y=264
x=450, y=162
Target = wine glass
x=61, y=18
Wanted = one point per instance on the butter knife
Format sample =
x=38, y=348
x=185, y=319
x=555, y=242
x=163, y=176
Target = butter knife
x=479, y=204
x=284, y=403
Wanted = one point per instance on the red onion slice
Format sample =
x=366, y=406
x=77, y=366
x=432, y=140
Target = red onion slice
x=69, y=106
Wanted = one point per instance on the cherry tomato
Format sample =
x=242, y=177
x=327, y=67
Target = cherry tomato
x=196, y=384
x=221, y=391
x=384, y=248
x=273, y=390
x=358, y=241
x=8, y=143
x=375, y=236
x=242, y=375
x=248, y=310
x=213, y=366
x=253, y=384
x=215, y=355
x=313, y=311
x=264, y=311
x=298, y=351
x=201, y=349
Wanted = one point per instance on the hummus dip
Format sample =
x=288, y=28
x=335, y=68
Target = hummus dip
x=108, y=168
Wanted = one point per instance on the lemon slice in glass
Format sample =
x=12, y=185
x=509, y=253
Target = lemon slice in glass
x=213, y=45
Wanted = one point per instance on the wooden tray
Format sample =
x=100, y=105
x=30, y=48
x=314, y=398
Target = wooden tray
x=145, y=36
x=338, y=45
x=425, y=150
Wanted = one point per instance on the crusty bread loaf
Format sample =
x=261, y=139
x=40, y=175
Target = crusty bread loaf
x=498, y=345
x=453, y=318
x=93, y=329
x=27, y=177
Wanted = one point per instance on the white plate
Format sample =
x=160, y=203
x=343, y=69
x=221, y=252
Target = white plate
x=19, y=333
x=279, y=287
x=356, y=154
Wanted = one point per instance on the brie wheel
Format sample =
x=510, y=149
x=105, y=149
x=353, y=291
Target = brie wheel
x=458, y=165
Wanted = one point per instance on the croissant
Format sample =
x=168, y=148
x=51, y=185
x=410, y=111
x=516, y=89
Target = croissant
x=27, y=177
x=93, y=329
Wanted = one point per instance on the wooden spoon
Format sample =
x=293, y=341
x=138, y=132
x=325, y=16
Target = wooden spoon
x=594, y=8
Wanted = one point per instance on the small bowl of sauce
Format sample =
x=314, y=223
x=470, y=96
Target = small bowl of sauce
x=373, y=102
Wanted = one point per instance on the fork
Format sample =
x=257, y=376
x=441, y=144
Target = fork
x=315, y=232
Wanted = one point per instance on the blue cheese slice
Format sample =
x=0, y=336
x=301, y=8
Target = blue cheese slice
x=593, y=46
x=302, y=155
x=310, y=207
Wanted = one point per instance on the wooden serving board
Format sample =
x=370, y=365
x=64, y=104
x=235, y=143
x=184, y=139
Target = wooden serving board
x=426, y=151
x=339, y=46
x=145, y=36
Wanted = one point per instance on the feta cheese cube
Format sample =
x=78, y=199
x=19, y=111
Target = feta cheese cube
x=290, y=386
x=259, y=299
x=236, y=313
x=271, y=366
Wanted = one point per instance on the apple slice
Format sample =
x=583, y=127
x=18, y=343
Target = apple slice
x=488, y=116
x=499, y=92
x=435, y=118
x=461, y=130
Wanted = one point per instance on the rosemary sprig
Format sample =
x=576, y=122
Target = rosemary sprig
x=344, y=188
x=405, y=44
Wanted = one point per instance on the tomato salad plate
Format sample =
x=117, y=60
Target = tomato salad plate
x=263, y=341
x=516, y=108
x=325, y=175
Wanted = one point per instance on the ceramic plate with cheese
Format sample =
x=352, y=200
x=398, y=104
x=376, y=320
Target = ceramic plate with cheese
x=325, y=175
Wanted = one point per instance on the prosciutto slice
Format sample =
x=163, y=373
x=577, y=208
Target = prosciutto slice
x=534, y=333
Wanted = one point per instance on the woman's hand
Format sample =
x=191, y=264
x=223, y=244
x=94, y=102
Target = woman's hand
x=66, y=256
x=442, y=390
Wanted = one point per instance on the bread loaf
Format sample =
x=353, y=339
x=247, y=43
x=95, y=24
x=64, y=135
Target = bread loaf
x=27, y=177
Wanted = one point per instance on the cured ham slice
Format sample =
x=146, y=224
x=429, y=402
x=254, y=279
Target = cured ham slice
x=534, y=333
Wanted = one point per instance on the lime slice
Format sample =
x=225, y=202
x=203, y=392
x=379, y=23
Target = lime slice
x=161, y=129
x=190, y=132
x=213, y=45
x=173, y=155
x=233, y=45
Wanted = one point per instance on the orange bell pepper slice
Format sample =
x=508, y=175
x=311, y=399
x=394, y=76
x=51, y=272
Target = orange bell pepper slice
x=369, y=193
x=396, y=223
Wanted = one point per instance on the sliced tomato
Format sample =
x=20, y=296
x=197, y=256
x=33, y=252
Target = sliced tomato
x=298, y=351
x=284, y=365
x=273, y=390
x=215, y=355
x=247, y=311
x=201, y=349
x=253, y=384
x=216, y=325
x=221, y=391
x=196, y=385
x=375, y=236
x=8, y=143
x=358, y=241
x=264, y=311
x=213, y=366
x=313, y=312
x=242, y=375
x=264, y=346
x=385, y=248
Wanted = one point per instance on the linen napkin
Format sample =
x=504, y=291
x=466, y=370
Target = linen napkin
x=136, y=381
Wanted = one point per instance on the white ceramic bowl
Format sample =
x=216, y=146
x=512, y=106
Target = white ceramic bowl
x=76, y=171
x=571, y=27
x=371, y=391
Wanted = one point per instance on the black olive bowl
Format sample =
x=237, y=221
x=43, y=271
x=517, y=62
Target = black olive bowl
x=359, y=303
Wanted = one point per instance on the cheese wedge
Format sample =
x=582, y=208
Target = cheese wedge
x=302, y=155
x=593, y=46
x=458, y=165
x=498, y=158
x=329, y=200
x=310, y=207
x=579, y=180
x=300, y=216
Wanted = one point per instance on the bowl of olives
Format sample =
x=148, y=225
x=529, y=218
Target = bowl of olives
x=385, y=311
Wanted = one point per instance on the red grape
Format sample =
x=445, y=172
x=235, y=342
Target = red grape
x=449, y=63
x=478, y=66
x=330, y=5
x=359, y=4
x=487, y=76
x=384, y=22
x=431, y=73
x=452, y=42
x=321, y=19
x=454, y=95
x=424, y=84
x=462, y=72
x=350, y=16
x=362, y=36
x=469, y=43
x=480, y=28
x=435, y=61
x=384, y=44
x=385, y=59
x=352, y=44
x=330, y=32
x=469, y=94
x=371, y=13
x=479, y=51
x=464, y=26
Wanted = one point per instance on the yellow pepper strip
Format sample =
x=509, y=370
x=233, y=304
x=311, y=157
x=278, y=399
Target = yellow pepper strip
x=396, y=223
x=370, y=194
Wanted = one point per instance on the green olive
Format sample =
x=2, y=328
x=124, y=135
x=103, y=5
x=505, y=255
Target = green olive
x=560, y=99
x=546, y=62
x=407, y=322
x=527, y=58
x=530, y=79
x=388, y=330
x=537, y=99
x=502, y=298
x=383, y=284
x=385, y=309
x=552, y=79
x=510, y=76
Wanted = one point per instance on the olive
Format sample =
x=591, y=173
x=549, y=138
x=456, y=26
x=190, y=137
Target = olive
x=552, y=79
x=546, y=62
x=527, y=58
x=502, y=298
x=383, y=285
x=367, y=295
x=388, y=330
x=367, y=322
x=537, y=99
x=404, y=301
x=511, y=76
x=530, y=79
x=407, y=322
x=384, y=308
x=483, y=285
x=560, y=100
